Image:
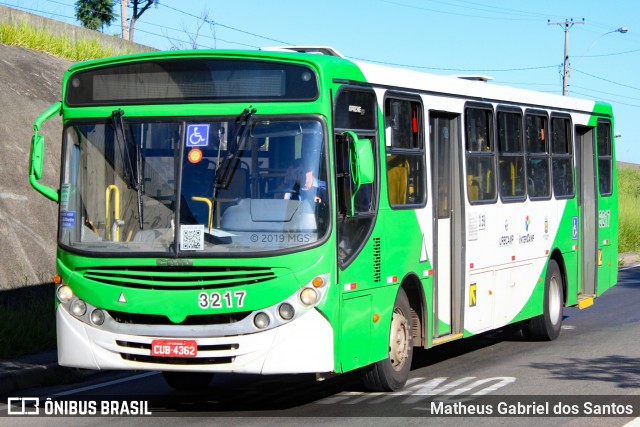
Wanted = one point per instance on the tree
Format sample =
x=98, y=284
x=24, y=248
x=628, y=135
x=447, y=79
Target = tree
x=139, y=7
x=193, y=32
x=95, y=14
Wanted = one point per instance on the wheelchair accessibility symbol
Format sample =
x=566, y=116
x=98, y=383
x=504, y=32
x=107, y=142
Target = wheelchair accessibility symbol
x=197, y=135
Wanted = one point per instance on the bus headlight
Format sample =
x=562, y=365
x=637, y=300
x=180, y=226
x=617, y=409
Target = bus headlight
x=64, y=294
x=78, y=308
x=308, y=296
x=261, y=320
x=97, y=317
x=286, y=311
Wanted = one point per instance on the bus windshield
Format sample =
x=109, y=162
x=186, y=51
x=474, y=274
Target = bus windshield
x=206, y=186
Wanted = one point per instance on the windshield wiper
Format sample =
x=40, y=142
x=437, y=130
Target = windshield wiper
x=132, y=177
x=238, y=143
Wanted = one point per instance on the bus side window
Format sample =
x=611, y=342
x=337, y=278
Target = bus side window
x=511, y=157
x=405, y=159
x=480, y=154
x=562, y=157
x=537, y=149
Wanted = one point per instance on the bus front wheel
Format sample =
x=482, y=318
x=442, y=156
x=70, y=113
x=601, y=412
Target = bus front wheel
x=546, y=327
x=391, y=373
x=187, y=380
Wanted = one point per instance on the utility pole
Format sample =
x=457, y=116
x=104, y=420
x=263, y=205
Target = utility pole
x=567, y=26
x=123, y=19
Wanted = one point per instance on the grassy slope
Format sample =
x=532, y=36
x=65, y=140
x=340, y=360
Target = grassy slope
x=629, y=204
x=26, y=36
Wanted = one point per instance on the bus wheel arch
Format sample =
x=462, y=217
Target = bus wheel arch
x=392, y=372
x=546, y=326
x=556, y=255
x=412, y=286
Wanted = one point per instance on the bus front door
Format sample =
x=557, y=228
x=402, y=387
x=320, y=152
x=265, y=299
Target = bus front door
x=447, y=225
x=587, y=227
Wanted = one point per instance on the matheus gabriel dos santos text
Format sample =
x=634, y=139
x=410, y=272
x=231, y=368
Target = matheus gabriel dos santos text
x=532, y=408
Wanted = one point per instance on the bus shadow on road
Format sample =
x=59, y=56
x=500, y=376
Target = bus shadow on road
x=511, y=333
x=623, y=371
x=255, y=395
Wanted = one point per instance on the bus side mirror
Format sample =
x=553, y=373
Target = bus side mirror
x=362, y=166
x=37, y=154
x=364, y=170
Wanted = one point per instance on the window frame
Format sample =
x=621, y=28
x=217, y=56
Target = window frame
x=538, y=155
x=508, y=109
x=343, y=222
x=414, y=152
x=569, y=155
x=471, y=154
x=608, y=156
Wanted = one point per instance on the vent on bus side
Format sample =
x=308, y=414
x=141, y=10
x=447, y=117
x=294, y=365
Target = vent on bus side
x=377, y=267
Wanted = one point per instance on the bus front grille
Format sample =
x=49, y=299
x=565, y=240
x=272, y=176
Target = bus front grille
x=192, y=320
x=178, y=278
x=178, y=360
x=208, y=359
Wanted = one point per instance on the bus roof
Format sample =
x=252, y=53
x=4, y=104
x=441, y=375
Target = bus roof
x=404, y=79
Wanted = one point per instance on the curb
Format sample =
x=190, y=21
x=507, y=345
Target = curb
x=28, y=372
x=25, y=378
x=35, y=371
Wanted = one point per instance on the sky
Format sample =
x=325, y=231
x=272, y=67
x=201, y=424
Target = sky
x=517, y=43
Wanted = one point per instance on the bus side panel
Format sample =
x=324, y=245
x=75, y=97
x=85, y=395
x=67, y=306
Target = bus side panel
x=356, y=331
x=567, y=242
x=607, y=242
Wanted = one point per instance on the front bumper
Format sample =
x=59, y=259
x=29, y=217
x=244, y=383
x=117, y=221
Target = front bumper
x=304, y=345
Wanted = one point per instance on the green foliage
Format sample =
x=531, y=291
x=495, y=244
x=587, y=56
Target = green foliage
x=95, y=14
x=27, y=36
x=629, y=208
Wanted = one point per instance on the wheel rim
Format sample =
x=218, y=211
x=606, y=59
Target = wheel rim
x=399, y=340
x=555, y=304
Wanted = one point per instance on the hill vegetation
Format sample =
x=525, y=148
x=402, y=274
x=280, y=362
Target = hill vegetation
x=629, y=207
x=24, y=35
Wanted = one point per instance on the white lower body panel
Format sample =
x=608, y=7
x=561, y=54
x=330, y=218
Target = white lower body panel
x=305, y=345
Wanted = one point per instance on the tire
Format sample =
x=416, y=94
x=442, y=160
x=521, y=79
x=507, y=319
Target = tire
x=391, y=374
x=187, y=380
x=546, y=327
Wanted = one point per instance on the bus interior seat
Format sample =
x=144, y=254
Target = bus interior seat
x=397, y=178
x=473, y=188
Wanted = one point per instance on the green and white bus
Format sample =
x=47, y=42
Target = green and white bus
x=293, y=211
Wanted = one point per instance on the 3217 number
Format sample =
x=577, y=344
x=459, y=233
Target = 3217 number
x=217, y=300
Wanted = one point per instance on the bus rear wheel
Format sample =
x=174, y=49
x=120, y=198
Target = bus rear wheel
x=546, y=327
x=187, y=380
x=391, y=374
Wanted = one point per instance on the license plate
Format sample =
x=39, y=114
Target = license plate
x=174, y=348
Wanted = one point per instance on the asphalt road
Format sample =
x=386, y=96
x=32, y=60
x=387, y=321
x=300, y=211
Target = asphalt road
x=593, y=366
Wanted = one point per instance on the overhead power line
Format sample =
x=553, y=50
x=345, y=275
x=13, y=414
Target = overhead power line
x=239, y=30
x=162, y=4
x=605, y=80
x=495, y=70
